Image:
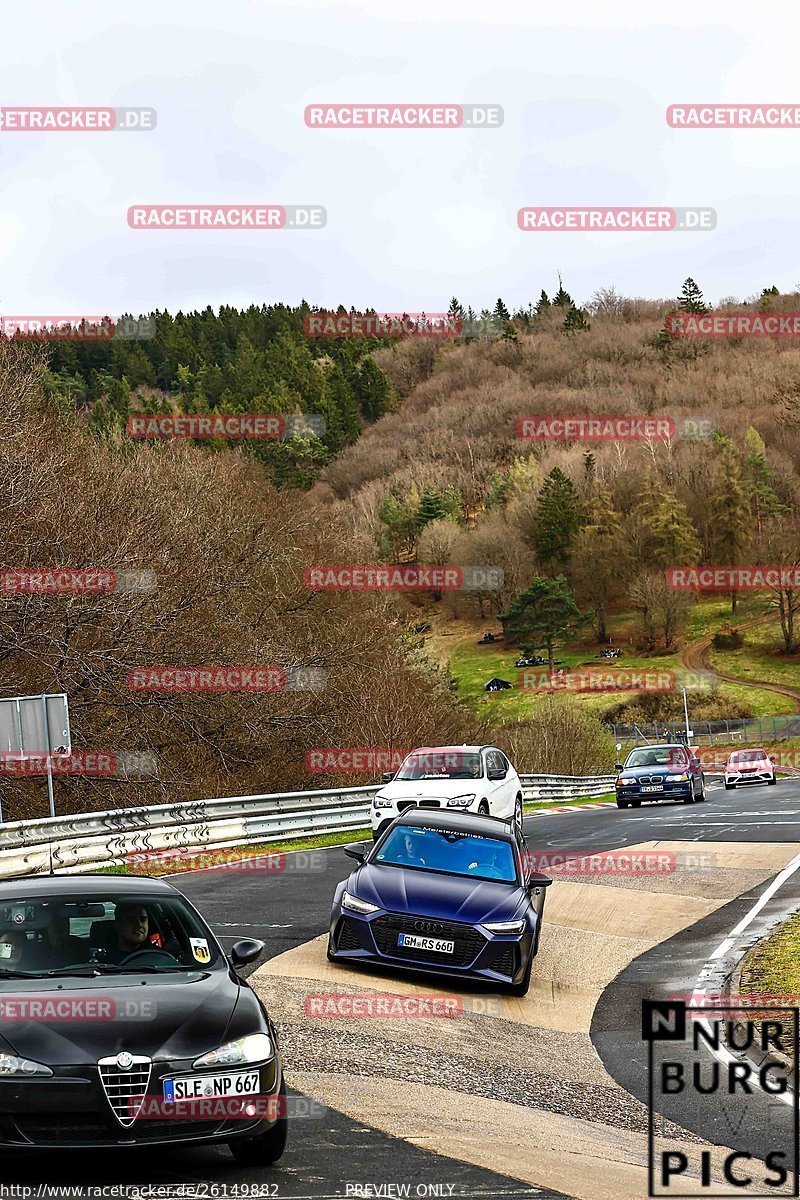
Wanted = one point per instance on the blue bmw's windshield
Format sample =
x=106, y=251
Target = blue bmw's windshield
x=452, y=853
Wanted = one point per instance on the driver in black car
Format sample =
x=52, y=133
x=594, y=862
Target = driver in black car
x=131, y=929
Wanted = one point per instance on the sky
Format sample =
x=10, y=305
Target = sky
x=414, y=217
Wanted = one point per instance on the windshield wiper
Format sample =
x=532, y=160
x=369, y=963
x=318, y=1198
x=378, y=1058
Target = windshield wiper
x=111, y=969
x=19, y=975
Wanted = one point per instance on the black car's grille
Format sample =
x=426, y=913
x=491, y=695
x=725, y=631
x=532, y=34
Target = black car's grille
x=506, y=961
x=348, y=939
x=468, y=942
x=65, y=1129
x=645, y=779
x=125, y=1086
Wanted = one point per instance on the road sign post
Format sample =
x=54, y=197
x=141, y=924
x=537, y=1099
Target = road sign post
x=36, y=725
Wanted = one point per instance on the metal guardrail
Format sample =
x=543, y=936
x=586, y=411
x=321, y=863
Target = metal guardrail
x=106, y=838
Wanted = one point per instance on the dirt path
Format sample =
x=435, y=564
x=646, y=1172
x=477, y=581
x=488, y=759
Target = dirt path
x=693, y=658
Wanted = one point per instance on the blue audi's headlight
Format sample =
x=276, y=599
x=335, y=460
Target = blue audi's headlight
x=507, y=927
x=356, y=905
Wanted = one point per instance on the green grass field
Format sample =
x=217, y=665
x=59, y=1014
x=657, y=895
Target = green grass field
x=472, y=665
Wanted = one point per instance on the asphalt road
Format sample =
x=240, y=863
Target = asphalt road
x=292, y=907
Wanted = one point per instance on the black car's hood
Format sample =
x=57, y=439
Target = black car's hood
x=428, y=894
x=660, y=772
x=177, y=1016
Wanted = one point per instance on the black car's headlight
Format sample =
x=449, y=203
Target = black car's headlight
x=256, y=1047
x=11, y=1066
x=625, y=780
x=359, y=906
x=508, y=927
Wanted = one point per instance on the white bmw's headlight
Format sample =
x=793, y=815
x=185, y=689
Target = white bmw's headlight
x=504, y=926
x=257, y=1047
x=11, y=1065
x=461, y=801
x=356, y=905
x=382, y=802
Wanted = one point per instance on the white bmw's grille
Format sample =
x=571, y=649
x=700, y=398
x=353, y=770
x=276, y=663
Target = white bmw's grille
x=125, y=1086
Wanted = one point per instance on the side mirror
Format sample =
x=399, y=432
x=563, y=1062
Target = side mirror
x=387, y=776
x=772, y=760
x=358, y=855
x=619, y=767
x=538, y=881
x=245, y=951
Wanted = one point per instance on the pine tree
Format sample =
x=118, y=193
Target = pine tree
x=674, y=540
x=730, y=511
x=562, y=297
x=558, y=518
x=431, y=508
x=691, y=298
x=373, y=391
x=543, y=304
x=575, y=321
x=543, y=613
x=456, y=311
x=600, y=558
x=501, y=315
x=764, y=501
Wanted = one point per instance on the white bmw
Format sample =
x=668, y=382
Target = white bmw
x=477, y=779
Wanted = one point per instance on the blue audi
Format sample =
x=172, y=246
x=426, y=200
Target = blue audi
x=450, y=893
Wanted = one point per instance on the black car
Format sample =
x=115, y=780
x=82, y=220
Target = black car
x=665, y=772
x=123, y=1023
x=445, y=892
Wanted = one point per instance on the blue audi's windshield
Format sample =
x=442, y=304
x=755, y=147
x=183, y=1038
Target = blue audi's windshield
x=452, y=853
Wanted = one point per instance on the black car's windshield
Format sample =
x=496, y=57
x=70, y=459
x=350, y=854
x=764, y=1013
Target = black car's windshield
x=441, y=764
x=109, y=932
x=657, y=756
x=452, y=853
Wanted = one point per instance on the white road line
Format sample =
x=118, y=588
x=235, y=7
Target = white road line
x=724, y=1056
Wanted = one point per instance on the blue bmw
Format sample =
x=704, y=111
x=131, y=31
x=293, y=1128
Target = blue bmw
x=445, y=892
x=667, y=772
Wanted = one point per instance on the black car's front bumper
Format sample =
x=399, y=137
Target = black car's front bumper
x=669, y=791
x=477, y=955
x=70, y=1110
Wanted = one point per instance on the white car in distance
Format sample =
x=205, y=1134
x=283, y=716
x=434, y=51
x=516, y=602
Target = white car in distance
x=749, y=766
x=477, y=779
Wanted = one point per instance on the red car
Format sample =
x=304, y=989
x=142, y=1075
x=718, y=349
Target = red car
x=749, y=766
